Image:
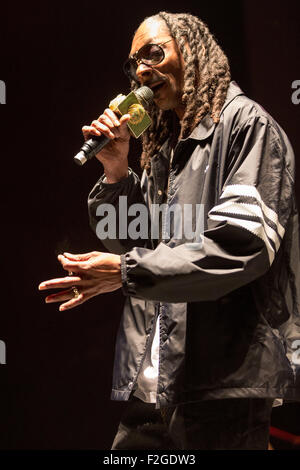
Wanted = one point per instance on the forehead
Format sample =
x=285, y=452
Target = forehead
x=151, y=30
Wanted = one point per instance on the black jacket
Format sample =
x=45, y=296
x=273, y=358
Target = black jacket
x=229, y=306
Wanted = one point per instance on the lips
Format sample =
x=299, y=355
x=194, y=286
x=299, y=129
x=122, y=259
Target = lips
x=155, y=87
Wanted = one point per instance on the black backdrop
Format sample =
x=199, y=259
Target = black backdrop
x=62, y=65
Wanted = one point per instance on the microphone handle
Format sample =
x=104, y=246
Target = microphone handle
x=90, y=148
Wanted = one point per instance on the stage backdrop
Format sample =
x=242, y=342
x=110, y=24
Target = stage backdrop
x=61, y=66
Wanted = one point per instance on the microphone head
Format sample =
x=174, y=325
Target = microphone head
x=145, y=94
x=80, y=158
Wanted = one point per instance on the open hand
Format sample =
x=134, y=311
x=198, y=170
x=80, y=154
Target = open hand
x=90, y=274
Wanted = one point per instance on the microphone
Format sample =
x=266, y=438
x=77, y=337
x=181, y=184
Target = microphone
x=133, y=104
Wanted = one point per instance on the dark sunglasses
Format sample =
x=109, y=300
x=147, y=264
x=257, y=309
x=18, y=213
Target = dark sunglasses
x=150, y=54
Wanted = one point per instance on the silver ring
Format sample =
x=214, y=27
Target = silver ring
x=75, y=292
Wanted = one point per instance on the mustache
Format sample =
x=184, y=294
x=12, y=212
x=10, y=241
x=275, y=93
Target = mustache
x=152, y=83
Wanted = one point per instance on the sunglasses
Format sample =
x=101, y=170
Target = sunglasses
x=150, y=54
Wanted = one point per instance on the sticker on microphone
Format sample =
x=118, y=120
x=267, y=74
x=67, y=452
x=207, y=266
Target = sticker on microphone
x=140, y=120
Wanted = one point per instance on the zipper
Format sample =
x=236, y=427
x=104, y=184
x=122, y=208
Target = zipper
x=161, y=305
x=150, y=337
x=169, y=185
x=160, y=311
x=170, y=166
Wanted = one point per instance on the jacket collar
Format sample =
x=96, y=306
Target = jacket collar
x=206, y=126
x=233, y=91
x=203, y=130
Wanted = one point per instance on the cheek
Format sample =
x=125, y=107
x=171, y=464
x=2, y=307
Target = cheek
x=174, y=71
x=175, y=77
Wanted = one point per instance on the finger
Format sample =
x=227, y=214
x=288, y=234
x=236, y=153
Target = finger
x=74, y=266
x=61, y=283
x=89, y=130
x=60, y=296
x=80, y=256
x=125, y=118
x=124, y=131
x=105, y=120
x=112, y=116
x=104, y=128
x=109, y=118
x=85, y=295
x=74, y=302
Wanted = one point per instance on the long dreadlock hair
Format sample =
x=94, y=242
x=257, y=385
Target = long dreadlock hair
x=206, y=80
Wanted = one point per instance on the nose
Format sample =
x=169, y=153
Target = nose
x=143, y=71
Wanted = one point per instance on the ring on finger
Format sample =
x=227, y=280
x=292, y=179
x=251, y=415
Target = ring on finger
x=75, y=291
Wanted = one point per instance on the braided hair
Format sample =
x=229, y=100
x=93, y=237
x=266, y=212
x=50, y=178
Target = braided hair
x=206, y=80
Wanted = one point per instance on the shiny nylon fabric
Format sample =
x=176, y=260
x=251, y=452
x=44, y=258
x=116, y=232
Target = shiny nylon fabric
x=229, y=308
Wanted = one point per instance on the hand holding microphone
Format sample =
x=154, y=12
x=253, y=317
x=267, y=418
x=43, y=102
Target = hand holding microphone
x=113, y=155
x=108, y=137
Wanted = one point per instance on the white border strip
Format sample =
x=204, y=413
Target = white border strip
x=247, y=190
x=254, y=227
x=240, y=208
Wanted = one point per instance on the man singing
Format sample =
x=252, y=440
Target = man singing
x=206, y=344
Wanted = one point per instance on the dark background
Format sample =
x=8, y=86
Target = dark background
x=62, y=65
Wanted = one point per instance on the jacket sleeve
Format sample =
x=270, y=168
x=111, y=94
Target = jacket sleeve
x=244, y=229
x=107, y=205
